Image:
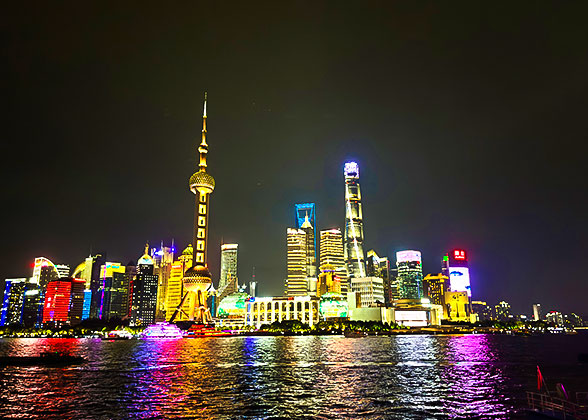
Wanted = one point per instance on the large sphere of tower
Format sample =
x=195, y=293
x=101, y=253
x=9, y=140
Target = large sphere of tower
x=202, y=182
x=197, y=278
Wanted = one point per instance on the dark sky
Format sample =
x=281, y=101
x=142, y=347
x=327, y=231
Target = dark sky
x=468, y=121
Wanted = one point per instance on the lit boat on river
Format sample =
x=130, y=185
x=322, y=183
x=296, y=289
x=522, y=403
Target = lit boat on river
x=203, y=331
x=162, y=331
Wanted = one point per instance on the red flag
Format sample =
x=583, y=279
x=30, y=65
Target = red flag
x=539, y=379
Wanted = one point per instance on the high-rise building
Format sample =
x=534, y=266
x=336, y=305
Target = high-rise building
x=328, y=282
x=481, y=309
x=197, y=279
x=114, y=291
x=410, y=274
x=537, y=314
x=434, y=288
x=164, y=258
x=377, y=266
x=502, y=312
x=63, y=302
x=228, y=270
x=353, y=250
x=32, y=307
x=253, y=284
x=296, y=281
x=144, y=291
x=457, y=306
x=459, y=273
x=76, y=303
x=13, y=301
x=62, y=270
x=89, y=271
x=44, y=271
x=331, y=252
x=305, y=220
x=554, y=318
x=370, y=290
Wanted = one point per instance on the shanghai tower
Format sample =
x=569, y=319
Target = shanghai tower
x=353, y=249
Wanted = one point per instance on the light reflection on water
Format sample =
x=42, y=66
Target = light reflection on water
x=285, y=377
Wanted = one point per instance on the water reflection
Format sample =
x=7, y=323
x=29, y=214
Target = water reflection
x=326, y=377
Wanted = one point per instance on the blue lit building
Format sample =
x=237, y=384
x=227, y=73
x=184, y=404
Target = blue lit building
x=12, y=301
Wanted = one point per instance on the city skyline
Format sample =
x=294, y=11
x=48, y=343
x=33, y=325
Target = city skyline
x=460, y=156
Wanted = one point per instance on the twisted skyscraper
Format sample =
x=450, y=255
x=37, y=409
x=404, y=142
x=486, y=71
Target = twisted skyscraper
x=353, y=250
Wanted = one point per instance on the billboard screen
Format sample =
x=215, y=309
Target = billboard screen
x=459, y=280
x=408, y=256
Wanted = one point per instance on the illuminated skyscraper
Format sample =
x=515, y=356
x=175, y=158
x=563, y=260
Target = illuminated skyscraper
x=228, y=269
x=31, y=313
x=434, y=287
x=377, y=266
x=353, y=251
x=410, y=274
x=370, y=289
x=13, y=301
x=328, y=282
x=482, y=310
x=459, y=273
x=164, y=258
x=296, y=282
x=114, y=292
x=175, y=287
x=306, y=220
x=64, y=298
x=537, y=315
x=144, y=290
x=502, y=312
x=331, y=252
x=197, y=279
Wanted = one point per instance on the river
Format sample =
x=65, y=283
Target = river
x=323, y=377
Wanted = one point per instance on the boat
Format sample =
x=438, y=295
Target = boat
x=556, y=404
x=355, y=334
x=203, y=331
x=44, y=359
x=118, y=335
x=162, y=331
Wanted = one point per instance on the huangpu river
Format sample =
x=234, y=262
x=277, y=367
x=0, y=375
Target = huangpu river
x=322, y=377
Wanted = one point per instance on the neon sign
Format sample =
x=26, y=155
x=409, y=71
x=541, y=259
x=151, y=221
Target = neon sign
x=459, y=254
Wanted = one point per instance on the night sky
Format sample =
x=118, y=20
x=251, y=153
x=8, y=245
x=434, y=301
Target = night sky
x=468, y=120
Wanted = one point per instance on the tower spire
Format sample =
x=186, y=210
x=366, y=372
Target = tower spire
x=203, y=148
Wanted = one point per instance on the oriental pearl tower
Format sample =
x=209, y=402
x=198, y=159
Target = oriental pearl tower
x=197, y=279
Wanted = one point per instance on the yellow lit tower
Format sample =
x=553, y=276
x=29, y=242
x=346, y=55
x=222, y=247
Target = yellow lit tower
x=197, y=279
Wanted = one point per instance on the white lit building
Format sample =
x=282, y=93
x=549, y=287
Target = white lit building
x=265, y=310
x=370, y=289
x=228, y=269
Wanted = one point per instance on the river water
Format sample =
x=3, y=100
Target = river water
x=323, y=377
